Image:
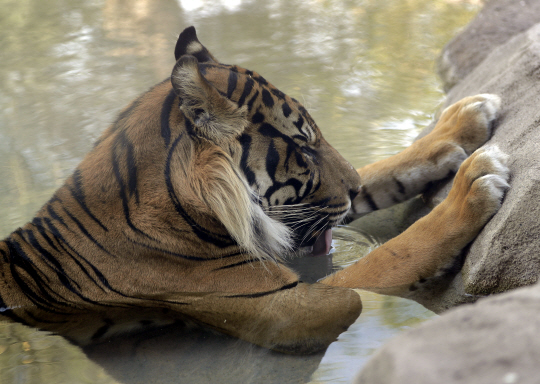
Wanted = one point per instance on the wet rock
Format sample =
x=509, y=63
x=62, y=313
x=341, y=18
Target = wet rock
x=491, y=341
x=506, y=254
x=497, y=22
x=494, y=340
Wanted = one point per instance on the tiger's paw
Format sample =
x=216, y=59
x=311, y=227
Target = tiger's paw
x=469, y=122
x=479, y=187
x=462, y=128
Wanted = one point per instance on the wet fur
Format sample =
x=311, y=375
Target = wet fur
x=187, y=204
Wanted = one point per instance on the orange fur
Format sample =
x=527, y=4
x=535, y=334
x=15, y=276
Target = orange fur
x=168, y=216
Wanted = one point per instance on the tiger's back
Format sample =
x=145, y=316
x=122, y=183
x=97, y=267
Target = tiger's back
x=188, y=204
x=177, y=208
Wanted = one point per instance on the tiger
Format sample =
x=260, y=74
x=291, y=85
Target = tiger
x=188, y=206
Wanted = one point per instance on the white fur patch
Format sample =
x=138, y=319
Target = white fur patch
x=194, y=47
x=496, y=181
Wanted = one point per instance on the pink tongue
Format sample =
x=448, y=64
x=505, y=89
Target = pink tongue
x=322, y=244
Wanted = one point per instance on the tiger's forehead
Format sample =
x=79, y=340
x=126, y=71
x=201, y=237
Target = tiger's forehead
x=244, y=86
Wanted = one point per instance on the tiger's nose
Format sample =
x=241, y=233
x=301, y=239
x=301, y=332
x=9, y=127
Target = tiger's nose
x=354, y=192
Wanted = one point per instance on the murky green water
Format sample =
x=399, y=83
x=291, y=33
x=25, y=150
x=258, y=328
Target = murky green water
x=364, y=69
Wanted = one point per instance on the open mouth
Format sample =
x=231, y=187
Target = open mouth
x=317, y=243
x=322, y=244
x=312, y=232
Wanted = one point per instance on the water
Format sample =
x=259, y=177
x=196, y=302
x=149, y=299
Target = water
x=364, y=69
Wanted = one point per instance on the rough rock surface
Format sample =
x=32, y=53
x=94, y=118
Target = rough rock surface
x=498, y=21
x=506, y=254
x=492, y=341
x=495, y=340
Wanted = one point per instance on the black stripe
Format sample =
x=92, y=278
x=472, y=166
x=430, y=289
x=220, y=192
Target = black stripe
x=401, y=187
x=78, y=195
x=86, y=233
x=118, y=146
x=103, y=329
x=131, y=167
x=252, y=100
x=269, y=130
x=267, y=98
x=37, y=222
x=53, y=263
x=165, y=113
x=369, y=200
x=71, y=252
x=299, y=123
x=68, y=250
x=248, y=87
x=194, y=258
x=4, y=256
x=243, y=262
x=309, y=187
x=285, y=107
x=280, y=95
x=257, y=118
x=19, y=260
x=299, y=159
x=260, y=294
x=292, y=182
x=245, y=141
x=258, y=78
x=231, y=84
x=62, y=243
x=272, y=160
x=52, y=213
x=189, y=127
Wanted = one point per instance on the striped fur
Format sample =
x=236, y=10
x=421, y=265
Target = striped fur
x=188, y=203
x=179, y=203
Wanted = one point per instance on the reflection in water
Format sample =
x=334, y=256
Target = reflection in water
x=28, y=356
x=362, y=68
x=382, y=317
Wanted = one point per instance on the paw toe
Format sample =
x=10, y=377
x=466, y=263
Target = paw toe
x=489, y=173
x=489, y=104
x=485, y=106
x=493, y=160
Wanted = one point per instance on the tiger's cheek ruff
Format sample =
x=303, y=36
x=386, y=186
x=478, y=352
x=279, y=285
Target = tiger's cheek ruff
x=220, y=185
x=214, y=181
x=163, y=220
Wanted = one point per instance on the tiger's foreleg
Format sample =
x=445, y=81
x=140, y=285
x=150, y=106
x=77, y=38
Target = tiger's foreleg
x=430, y=245
x=301, y=319
x=462, y=128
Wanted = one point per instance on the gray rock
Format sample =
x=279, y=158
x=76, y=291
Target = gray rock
x=497, y=22
x=506, y=254
x=492, y=341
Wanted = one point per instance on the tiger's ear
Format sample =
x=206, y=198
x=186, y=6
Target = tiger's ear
x=188, y=44
x=214, y=117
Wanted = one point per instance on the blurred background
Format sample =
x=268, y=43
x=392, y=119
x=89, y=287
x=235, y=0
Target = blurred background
x=364, y=69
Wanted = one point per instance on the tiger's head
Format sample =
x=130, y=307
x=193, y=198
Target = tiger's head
x=287, y=172
x=243, y=164
x=284, y=163
x=178, y=206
